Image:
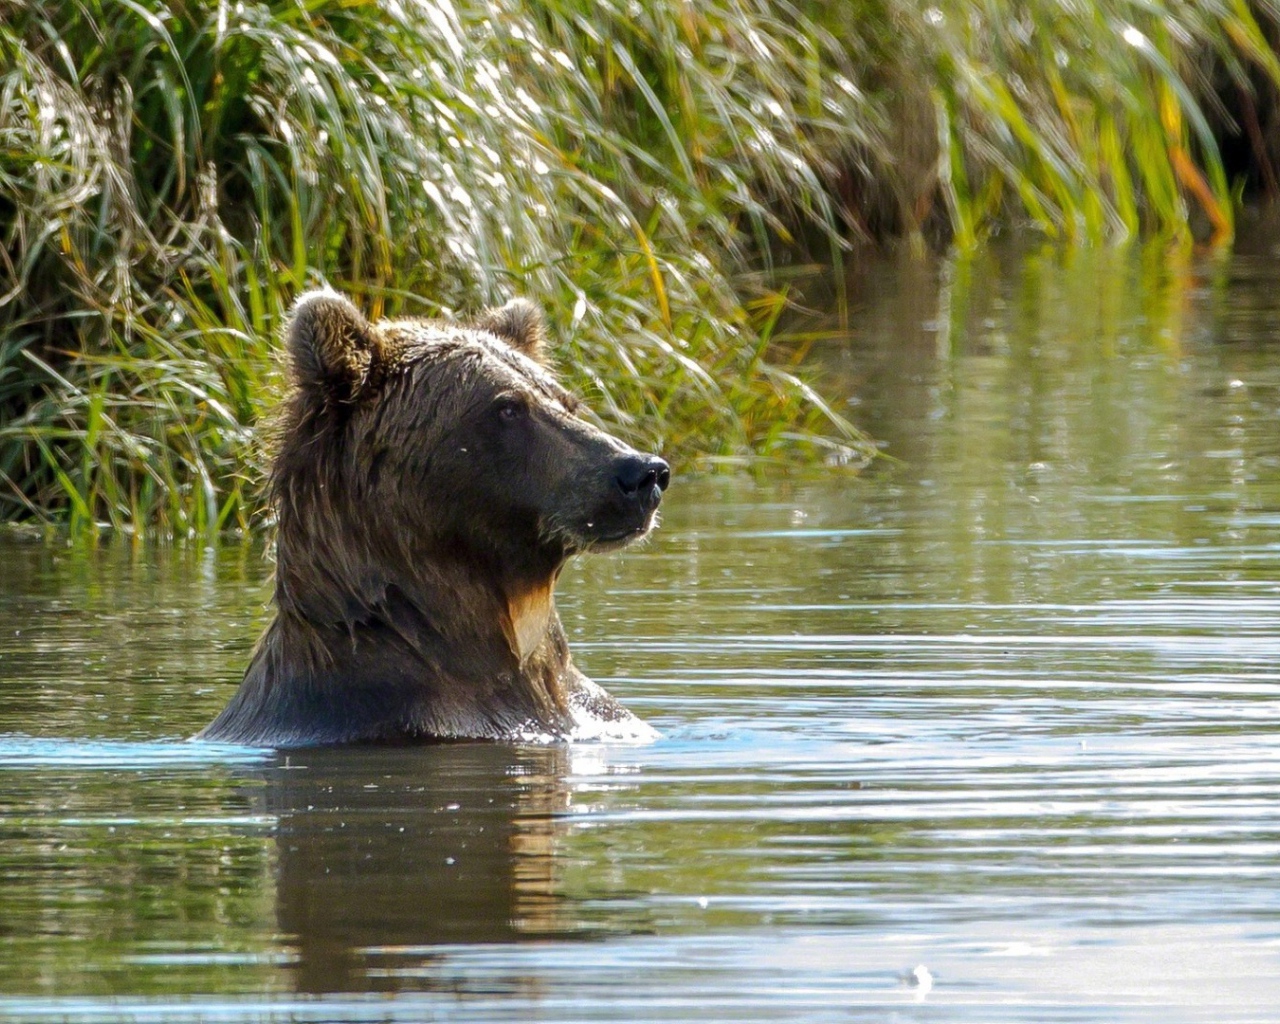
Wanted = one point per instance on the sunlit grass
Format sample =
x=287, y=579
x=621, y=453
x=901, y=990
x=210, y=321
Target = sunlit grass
x=172, y=175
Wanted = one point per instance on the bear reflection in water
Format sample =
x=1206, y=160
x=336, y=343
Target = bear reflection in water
x=385, y=852
x=431, y=481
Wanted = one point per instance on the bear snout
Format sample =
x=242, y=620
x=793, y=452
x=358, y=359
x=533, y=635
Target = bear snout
x=642, y=478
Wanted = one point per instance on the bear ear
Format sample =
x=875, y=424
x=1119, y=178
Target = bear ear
x=330, y=344
x=520, y=324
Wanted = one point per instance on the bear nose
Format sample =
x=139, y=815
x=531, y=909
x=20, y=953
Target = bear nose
x=644, y=477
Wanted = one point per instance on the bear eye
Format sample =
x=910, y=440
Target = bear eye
x=511, y=409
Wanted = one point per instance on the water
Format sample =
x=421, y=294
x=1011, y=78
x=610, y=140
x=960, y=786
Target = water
x=1005, y=709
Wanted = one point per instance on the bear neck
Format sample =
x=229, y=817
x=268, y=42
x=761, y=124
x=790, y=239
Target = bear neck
x=435, y=640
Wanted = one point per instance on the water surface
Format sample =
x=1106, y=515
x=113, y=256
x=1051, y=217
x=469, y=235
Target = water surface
x=1005, y=708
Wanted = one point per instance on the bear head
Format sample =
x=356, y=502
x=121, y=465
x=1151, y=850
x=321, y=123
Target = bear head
x=424, y=447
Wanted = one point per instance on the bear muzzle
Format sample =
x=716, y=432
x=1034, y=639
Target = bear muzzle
x=636, y=483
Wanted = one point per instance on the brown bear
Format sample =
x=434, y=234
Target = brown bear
x=430, y=483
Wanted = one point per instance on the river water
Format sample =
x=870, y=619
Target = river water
x=988, y=733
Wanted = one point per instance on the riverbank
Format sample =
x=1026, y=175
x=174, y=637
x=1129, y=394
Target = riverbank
x=172, y=176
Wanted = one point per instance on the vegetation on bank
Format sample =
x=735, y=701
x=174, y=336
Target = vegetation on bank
x=174, y=172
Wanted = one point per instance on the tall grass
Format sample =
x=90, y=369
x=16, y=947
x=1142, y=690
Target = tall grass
x=173, y=173
x=1090, y=121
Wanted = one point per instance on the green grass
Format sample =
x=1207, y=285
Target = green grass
x=173, y=174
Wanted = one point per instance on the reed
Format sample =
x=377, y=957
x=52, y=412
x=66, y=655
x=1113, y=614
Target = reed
x=173, y=172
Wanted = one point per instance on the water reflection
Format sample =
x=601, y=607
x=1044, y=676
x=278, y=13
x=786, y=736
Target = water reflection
x=385, y=853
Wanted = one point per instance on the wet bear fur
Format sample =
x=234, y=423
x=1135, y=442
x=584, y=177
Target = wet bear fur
x=431, y=480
